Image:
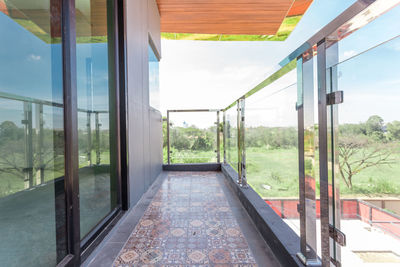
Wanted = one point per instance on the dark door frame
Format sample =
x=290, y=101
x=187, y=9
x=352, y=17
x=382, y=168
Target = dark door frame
x=77, y=249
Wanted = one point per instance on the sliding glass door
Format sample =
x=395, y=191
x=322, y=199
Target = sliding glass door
x=59, y=128
x=95, y=85
x=32, y=199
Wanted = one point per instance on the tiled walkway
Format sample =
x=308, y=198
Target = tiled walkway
x=192, y=220
x=189, y=221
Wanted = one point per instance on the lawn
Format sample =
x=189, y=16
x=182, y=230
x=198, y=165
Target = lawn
x=190, y=156
x=274, y=173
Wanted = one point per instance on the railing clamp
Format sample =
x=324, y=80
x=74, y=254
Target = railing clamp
x=337, y=235
x=336, y=262
x=334, y=98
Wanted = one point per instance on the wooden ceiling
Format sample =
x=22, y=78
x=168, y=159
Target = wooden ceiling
x=42, y=17
x=249, y=17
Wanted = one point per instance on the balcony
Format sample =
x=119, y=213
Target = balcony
x=305, y=162
x=301, y=170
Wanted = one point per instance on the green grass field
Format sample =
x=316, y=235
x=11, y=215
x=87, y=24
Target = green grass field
x=274, y=173
x=190, y=156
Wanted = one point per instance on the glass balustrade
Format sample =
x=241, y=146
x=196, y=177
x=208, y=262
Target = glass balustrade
x=366, y=154
x=231, y=136
x=192, y=137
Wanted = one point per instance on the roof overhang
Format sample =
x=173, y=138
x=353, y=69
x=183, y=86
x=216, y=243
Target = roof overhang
x=42, y=18
x=230, y=19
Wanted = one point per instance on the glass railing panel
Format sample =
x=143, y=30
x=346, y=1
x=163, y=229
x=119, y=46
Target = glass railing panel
x=382, y=29
x=367, y=154
x=272, y=147
x=231, y=137
x=193, y=137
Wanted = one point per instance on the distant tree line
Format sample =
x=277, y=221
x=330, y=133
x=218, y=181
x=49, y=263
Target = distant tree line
x=193, y=138
x=190, y=138
x=373, y=129
x=271, y=137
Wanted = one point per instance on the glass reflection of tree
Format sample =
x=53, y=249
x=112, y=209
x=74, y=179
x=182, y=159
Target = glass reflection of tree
x=46, y=154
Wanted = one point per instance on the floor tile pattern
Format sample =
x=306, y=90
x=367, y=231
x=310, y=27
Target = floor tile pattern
x=188, y=223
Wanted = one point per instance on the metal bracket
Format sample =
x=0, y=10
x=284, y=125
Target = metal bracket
x=334, y=98
x=298, y=106
x=336, y=262
x=308, y=262
x=337, y=235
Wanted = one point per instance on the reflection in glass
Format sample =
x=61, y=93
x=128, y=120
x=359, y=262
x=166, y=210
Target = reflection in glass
x=193, y=137
x=154, y=84
x=97, y=176
x=32, y=202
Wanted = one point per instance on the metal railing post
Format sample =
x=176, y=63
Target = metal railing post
x=40, y=123
x=224, y=135
x=218, y=140
x=307, y=165
x=242, y=130
x=89, y=132
x=332, y=54
x=27, y=122
x=323, y=157
x=239, y=147
x=168, y=143
x=98, y=157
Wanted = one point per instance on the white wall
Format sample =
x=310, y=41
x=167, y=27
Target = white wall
x=144, y=124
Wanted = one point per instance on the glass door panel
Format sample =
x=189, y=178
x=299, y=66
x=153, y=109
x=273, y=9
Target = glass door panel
x=32, y=200
x=97, y=173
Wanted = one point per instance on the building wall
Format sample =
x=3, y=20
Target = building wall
x=144, y=123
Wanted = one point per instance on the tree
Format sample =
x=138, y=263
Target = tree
x=357, y=153
x=201, y=143
x=374, y=127
x=393, y=130
x=179, y=140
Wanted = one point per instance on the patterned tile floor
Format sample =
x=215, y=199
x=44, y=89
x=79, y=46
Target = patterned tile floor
x=188, y=223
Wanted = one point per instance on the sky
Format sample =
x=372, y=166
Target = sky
x=206, y=74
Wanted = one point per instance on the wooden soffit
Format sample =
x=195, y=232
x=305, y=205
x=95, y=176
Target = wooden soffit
x=229, y=17
x=43, y=19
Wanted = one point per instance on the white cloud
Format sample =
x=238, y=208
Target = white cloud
x=34, y=57
x=211, y=74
